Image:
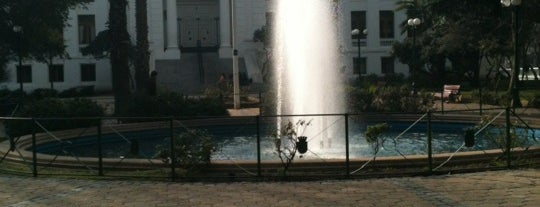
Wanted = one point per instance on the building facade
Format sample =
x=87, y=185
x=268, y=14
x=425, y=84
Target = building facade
x=191, y=43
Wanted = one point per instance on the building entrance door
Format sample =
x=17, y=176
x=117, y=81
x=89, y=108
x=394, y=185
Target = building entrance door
x=198, y=23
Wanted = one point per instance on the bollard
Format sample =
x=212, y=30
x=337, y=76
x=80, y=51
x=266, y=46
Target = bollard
x=173, y=159
x=508, y=138
x=347, y=161
x=100, y=148
x=34, y=154
x=258, y=146
x=429, y=142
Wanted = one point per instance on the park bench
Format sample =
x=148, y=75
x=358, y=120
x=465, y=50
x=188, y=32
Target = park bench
x=450, y=93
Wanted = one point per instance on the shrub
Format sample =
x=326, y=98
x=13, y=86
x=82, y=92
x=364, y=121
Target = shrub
x=373, y=132
x=491, y=97
x=54, y=108
x=387, y=99
x=287, y=142
x=8, y=101
x=42, y=93
x=80, y=107
x=360, y=99
x=171, y=104
x=193, y=151
x=141, y=105
x=77, y=92
x=535, y=101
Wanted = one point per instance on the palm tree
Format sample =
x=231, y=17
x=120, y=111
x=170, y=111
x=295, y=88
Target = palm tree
x=142, y=53
x=119, y=52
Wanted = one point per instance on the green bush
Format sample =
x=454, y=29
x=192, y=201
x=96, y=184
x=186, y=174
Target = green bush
x=13, y=96
x=387, y=99
x=535, y=101
x=172, y=104
x=491, y=97
x=360, y=99
x=141, y=105
x=54, y=108
x=42, y=93
x=374, y=136
x=78, y=91
x=193, y=151
x=7, y=102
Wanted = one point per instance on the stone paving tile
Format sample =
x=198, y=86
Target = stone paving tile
x=497, y=188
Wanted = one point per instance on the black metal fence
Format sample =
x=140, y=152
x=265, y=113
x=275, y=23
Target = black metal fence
x=130, y=146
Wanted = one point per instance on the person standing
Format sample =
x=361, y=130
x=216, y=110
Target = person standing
x=152, y=83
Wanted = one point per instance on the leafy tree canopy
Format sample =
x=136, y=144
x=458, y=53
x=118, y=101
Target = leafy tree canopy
x=41, y=23
x=464, y=32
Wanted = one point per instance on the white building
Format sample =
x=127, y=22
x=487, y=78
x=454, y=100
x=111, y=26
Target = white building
x=178, y=27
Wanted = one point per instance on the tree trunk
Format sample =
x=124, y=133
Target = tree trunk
x=142, y=55
x=119, y=52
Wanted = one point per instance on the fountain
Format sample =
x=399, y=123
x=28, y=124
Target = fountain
x=308, y=78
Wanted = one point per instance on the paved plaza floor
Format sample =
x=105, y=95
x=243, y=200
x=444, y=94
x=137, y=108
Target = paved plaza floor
x=493, y=188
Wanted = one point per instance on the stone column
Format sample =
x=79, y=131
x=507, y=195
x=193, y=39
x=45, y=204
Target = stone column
x=172, y=51
x=225, y=28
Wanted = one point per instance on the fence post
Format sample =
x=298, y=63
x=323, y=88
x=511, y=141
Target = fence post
x=34, y=154
x=260, y=103
x=347, y=161
x=258, y=146
x=429, y=143
x=100, y=148
x=442, y=101
x=508, y=138
x=480, y=102
x=173, y=156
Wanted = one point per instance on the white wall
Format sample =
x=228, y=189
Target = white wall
x=72, y=73
x=251, y=15
x=373, y=49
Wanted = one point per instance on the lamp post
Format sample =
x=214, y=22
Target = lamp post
x=413, y=23
x=356, y=32
x=236, y=79
x=514, y=93
x=18, y=29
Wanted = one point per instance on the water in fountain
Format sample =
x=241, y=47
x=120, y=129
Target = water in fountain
x=306, y=58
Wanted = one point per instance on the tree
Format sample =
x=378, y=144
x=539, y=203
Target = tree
x=286, y=142
x=40, y=38
x=426, y=60
x=52, y=47
x=119, y=37
x=142, y=53
x=468, y=35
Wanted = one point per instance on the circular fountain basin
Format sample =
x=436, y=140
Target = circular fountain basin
x=240, y=147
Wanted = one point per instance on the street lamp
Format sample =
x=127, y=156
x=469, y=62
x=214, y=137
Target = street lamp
x=18, y=29
x=236, y=79
x=356, y=32
x=413, y=23
x=514, y=93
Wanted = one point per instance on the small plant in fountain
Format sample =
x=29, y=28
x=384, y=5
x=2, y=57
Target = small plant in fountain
x=496, y=134
x=286, y=142
x=374, y=136
x=193, y=150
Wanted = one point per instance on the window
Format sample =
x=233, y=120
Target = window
x=24, y=74
x=270, y=22
x=386, y=24
x=87, y=29
x=359, y=67
x=358, y=21
x=56, y=73
x=387, y=65
x=88, y=72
